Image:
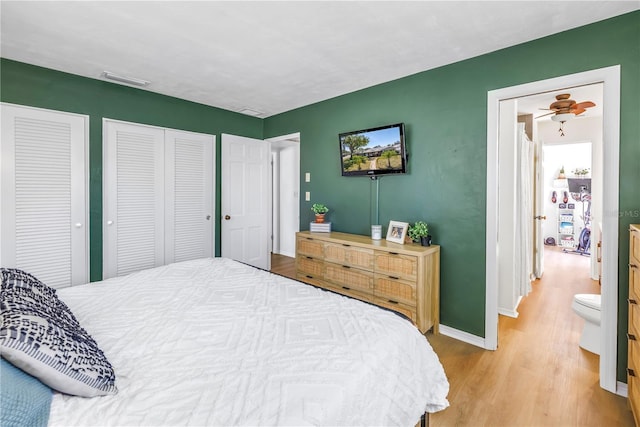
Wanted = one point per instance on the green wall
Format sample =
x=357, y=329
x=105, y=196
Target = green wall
x=44, y=88
x=445, y=114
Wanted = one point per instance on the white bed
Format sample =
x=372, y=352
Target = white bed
x=217, y=342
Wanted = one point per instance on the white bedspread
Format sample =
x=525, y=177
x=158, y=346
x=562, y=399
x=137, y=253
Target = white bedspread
x=216, y=342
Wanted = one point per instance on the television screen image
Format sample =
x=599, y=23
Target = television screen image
x=372, y=152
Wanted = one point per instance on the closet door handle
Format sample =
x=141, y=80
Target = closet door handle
x=631, y=372
x=631, y=337
x=632, y=301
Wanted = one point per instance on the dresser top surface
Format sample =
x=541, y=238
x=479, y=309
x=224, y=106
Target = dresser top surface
x=366, y=241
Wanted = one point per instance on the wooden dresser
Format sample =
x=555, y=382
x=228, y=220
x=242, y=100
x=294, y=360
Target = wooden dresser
x=403, y=278
x=633, y=370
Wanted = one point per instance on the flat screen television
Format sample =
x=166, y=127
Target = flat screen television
x=373, y=152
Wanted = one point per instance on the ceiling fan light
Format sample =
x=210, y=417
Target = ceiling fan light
x=563, y=117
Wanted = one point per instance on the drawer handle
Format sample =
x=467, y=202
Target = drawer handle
x=631, y=337
x=309, y=277
x=309, y=238
x=393, y=253
x=344, y=287
x=309, y=257
x=393, y=302
x=344, y=244
x=631, y=372
x=394, y=277
x=345, y=266
x=632, y=301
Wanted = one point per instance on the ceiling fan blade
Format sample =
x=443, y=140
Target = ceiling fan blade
x=583, y=105
x=544, y=115
x=578, y=111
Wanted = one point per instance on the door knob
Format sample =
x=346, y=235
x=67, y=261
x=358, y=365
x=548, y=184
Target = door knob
x=227, y=217
x=208, y=217
x=543, y=217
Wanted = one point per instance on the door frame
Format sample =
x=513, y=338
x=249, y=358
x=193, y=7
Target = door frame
x=610, y=77
x=291, y=140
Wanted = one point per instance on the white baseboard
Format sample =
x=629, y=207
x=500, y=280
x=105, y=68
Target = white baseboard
x=462, y=336
x=508, y=313
x=622, y=389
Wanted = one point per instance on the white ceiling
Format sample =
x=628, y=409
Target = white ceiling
x=272, y=57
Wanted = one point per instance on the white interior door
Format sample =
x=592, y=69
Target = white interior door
x=43, y=188
x=133, y=198
x=158, y=196
x=538, y=251
x=246, y=200
x=189, y=224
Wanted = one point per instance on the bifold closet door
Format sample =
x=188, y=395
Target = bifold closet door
x=189, y=215
x=43, y=193
x=133, y=198
x=158, y=197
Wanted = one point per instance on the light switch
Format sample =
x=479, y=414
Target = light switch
x=307, y=196
x=307, y=177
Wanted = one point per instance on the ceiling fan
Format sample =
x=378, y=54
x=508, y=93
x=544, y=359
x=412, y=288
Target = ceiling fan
x=566, y=109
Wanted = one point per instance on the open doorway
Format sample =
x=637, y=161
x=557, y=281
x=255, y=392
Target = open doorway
x=285, y=175
x=610, y=77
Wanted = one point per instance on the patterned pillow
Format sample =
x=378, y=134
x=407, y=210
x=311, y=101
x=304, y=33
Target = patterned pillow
x=40, y=335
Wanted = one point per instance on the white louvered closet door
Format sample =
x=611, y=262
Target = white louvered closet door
x=133, y=198
x=189, y=196
x=43, y=187
x=158, y=197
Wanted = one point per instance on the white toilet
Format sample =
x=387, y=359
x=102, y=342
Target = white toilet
x=587, y=306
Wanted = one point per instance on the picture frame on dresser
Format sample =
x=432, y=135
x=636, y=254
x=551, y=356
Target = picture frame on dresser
x=397, y=231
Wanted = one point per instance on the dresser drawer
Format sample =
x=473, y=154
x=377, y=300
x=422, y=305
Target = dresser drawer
x=633, y=385
x=347, y=291
x=393, y=289
x=312, y=280
x=408, y=311
x=310, y=266
x=634, y=245
x=634, y=282
x=309, y=246
x=634, y=317
x=633, y=372
x=349, y=255
x=352, y=278
x=396, y=265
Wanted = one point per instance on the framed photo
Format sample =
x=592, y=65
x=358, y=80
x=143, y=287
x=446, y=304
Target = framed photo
x=397, y=231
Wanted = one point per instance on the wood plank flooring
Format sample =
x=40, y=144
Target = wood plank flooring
x=539, y=376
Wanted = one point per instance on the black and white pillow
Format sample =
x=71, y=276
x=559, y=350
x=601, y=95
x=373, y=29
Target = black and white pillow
x=40, y=335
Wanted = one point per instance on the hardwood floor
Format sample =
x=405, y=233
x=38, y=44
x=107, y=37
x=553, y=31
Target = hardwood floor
x=539, y=376
x=283, y=265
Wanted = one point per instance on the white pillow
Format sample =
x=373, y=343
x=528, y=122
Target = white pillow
x=40, y=335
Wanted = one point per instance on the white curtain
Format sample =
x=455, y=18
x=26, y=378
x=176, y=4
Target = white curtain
x=524, y=224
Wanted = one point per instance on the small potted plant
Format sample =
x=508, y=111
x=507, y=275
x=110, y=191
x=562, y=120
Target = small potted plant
x=320, y=210
x=419, y=232
x=561, y=175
